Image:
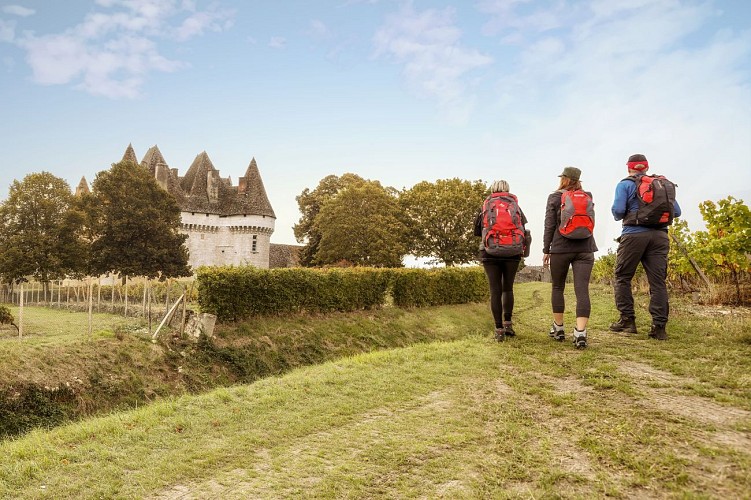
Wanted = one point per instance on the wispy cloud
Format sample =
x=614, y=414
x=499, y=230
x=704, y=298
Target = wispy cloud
x=620, y=77
x=436, y=65
x=277, y=42
x=18, y=10
x=113, y=50
x=318, y=30
x=7, y=30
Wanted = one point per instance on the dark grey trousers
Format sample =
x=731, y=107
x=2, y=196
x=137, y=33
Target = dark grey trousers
x=651, y=249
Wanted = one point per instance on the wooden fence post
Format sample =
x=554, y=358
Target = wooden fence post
x=20, y=312
x=91, y=304
x=126, y=295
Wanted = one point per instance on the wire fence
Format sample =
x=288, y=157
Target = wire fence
x=106, y=302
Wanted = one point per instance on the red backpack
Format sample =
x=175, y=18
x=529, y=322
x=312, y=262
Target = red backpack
x=656, y=196
x=502, y=228
x=577, y=215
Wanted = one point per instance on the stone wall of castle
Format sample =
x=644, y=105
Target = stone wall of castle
x=233, y=240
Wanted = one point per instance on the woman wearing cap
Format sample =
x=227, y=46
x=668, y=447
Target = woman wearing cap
x=501, y=264
x=563, y=249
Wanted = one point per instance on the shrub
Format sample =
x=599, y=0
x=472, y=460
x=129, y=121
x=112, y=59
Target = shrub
x=432, y=287
x=234, y=293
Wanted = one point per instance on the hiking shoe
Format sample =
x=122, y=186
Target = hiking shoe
x=580, y=339
x=625, y=325
x=509, y=331
x=557, y=332
x=500, y=334
x=658, y=332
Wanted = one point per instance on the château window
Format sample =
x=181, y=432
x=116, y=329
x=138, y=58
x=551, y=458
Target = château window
x=254, y=246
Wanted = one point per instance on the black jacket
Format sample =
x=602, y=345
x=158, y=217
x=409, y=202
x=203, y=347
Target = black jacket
x=552, y=240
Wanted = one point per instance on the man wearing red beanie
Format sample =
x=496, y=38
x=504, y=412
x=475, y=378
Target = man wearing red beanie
x=646, y=205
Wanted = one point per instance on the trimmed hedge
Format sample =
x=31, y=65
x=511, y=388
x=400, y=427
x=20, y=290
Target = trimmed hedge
x=235, y=293
x=440, y=286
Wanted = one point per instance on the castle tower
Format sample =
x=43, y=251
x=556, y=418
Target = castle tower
x=225, y=224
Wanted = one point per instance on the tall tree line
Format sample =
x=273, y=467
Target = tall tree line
x=126, y=225
x=348, y=220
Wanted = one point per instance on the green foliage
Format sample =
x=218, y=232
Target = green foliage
x=6, y=318
x=310, y=203
x=39, y=230
x=724, y=249
x=361, y=226
x=603, y=270
x=234, y=293
x=440, y=286
x=725, y=245
x=134, y=224
x=26, y=406
x=681, y=246
x=441, y=216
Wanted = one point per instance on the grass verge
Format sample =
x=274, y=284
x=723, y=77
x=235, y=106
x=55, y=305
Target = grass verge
x=628, y=417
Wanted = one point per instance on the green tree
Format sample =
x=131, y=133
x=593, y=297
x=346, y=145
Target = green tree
x=134, y=225
x=724, y=248
x=440, y=217
x=310, y=203
x=39, y=230
x=361, y=225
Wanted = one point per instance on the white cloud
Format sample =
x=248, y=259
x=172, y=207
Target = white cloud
x=277, y=42
x=7, y=30
x=18, y=10
x=620, y=79
x=427, y=43
x=111, y=52
x=318, y=30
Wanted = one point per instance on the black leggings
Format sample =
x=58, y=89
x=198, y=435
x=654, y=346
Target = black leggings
x=501, y=276
x=582, y=264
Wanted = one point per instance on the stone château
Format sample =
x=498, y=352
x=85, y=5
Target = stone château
x=225, y=224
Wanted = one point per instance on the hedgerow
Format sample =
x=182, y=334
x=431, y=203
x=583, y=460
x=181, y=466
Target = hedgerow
x=236, y=293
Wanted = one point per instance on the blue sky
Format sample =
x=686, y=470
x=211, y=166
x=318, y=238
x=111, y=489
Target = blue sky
x=398, y=91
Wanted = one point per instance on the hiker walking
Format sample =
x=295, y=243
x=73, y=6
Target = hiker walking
x=568, y=242
x=501, y=224
x=647, y=206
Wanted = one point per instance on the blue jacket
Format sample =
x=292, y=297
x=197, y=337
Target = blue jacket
x=625, y=201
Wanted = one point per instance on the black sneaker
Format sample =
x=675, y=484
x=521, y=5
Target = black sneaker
x=509, y=331
x=625, y=325
x=500, y=334
x=580, y=339
x=557, y=332
x=658, y=332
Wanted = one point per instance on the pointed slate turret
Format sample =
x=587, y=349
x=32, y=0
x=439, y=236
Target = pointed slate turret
x=152, y=158
x=83, y=187
x=202, y=186
x=130, y=155
x=252, y=198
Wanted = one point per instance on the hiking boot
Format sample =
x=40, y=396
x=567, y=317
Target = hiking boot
x=500, y=334
x=580, y=339
x=658, y=332
x=509, y=330
x=625, y=325
x=557, y=332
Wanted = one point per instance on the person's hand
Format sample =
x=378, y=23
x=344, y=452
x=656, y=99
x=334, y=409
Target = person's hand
x=546, y=260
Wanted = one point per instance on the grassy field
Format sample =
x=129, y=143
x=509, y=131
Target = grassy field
x=469, y=418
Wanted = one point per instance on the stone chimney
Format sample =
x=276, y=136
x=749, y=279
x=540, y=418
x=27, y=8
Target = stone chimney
x=162, y=175
x=242, y=187
x=212, y=185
